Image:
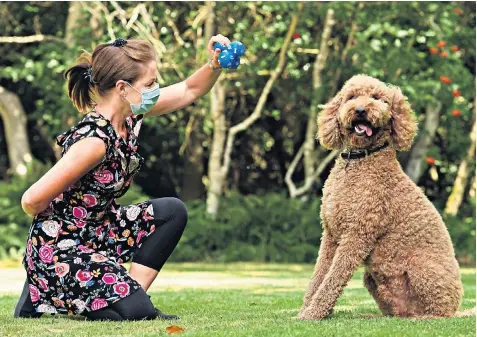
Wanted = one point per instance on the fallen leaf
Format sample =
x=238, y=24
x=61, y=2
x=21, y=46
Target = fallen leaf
x=174, y=329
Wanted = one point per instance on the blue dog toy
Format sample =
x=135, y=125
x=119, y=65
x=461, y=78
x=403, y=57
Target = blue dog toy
x=229, y=56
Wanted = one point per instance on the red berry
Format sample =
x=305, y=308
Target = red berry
x=296, y=35
x=445, y=80
x=454, y=48
x=444, y=54
x=430, y=160
x=433, y=50
x=456, y=93
x=458, y=11
x=441, y=44
x=456, y=113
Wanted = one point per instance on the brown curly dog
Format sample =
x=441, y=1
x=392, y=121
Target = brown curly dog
x=374, y=214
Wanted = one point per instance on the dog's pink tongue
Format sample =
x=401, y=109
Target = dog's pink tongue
x=368, y=130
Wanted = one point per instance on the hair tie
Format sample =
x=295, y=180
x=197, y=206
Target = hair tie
x=119, y=42
x=89, y=73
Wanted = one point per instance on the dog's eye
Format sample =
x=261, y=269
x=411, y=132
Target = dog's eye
x=351, y=97
x=376, y=97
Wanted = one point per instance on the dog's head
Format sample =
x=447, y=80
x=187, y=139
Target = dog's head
x=367, y=111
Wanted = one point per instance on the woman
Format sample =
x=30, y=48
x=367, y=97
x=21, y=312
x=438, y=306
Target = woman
x=80, y=236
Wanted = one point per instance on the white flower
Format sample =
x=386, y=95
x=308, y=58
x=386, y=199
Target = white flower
x=77, y=260
x=83, y=130
x=80, y=305
x=46, y=308
x=133, y=212
x=122, y=223
x=51, y=227
x=66, y=244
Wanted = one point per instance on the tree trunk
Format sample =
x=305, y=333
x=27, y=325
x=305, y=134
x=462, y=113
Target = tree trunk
x=455, y=199
x=15, y=125
x=309, y=155
x=414, y=166
x=74, y=14
x=216, y=178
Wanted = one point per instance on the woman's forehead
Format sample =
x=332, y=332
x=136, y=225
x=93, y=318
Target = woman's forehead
x=150, y=72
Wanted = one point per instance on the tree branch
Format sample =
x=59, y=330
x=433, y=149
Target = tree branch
x=263, y=97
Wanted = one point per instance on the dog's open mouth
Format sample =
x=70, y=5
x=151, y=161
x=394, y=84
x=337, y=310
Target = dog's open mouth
x=362, y=127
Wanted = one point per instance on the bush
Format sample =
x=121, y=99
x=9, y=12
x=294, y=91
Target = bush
x=269, y=228
x=14, y=222
x=462, y=232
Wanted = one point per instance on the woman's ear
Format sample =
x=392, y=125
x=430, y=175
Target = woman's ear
x=403, y=120
x=328, y=124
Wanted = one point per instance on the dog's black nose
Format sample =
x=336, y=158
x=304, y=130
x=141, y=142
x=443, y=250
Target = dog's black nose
x=360, y=111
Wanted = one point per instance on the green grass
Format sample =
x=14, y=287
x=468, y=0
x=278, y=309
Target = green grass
x=245, y=300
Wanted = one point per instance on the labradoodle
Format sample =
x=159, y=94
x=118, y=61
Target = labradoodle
x=374, y=214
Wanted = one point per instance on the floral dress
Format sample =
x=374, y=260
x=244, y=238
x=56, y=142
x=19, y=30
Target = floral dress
x=76, y=246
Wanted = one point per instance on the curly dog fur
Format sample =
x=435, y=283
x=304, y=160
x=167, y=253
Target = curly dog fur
x=374, y=214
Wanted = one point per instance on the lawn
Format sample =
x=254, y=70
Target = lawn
x=239, y=299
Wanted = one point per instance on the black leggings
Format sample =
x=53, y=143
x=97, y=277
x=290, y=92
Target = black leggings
x=170, y=218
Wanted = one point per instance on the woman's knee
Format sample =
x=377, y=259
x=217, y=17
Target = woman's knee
x=169, y=208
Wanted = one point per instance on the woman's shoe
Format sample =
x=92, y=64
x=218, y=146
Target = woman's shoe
x=164, y=316
x=24, y=306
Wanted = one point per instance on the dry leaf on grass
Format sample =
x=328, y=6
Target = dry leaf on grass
x=174, y=329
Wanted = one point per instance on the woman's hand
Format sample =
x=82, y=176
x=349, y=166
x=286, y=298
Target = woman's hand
x=215, y=53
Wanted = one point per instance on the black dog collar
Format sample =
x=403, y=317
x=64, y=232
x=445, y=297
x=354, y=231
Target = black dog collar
x=361, y=153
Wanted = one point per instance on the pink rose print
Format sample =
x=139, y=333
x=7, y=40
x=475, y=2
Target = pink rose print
x=110, y=278
x=98, y=303
x=89, y=200
x=43, y=283
x=140, y=235
x=29, y=247
x=80, y=223
x=62, y=269
x=98, y=257
x=84, y=275
x=118, y=250
x=34, y=293
x=79, y=212
x=85, y=249
x=30, y=263
x=121, y=288
x=46, y=253
x=104, y=176
x=60, y=197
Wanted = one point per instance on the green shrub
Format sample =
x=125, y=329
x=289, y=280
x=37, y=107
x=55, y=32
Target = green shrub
x=264, y=228
x=14, y=222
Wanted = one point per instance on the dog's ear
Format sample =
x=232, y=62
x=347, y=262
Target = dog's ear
x=328, y=124
x=403, y=120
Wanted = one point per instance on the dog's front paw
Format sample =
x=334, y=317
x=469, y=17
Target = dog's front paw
x=313, y=315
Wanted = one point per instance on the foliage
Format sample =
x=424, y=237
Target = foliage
x=252, y=228
x=410, y=44
x=14, y=222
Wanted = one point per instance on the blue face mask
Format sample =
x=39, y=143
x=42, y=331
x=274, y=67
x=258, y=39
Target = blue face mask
x=149, y=98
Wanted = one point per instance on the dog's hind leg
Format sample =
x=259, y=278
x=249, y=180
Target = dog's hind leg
x=435, y=287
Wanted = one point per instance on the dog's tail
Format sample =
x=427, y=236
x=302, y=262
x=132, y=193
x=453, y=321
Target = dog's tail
x=465, y=313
